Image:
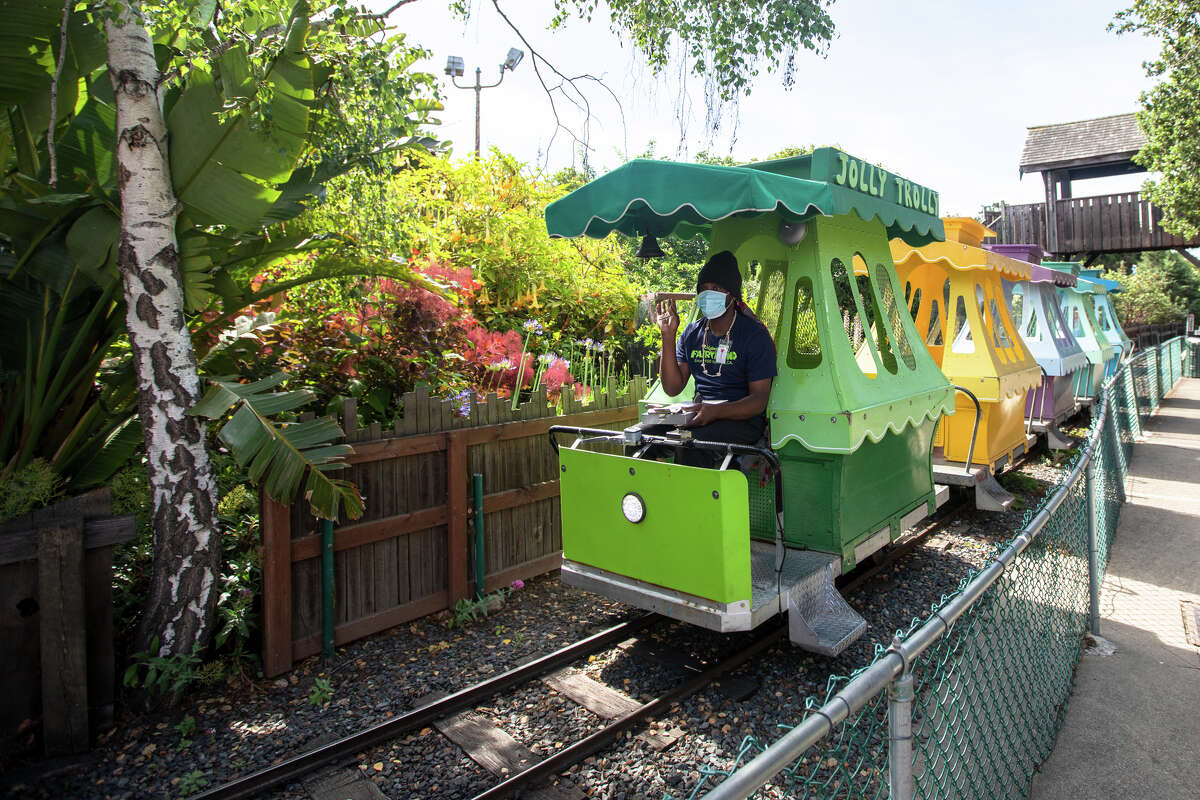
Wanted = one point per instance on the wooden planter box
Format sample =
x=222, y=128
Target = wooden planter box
x=56, y=620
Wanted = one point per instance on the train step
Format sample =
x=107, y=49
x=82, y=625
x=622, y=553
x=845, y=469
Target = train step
x=819, y=618
x=991, y=496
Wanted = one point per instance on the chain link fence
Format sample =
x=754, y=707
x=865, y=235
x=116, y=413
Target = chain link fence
x=1191, y=357
x=967, y=702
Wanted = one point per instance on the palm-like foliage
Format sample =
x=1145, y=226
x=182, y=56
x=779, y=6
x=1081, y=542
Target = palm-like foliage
x=239, y=128
x=279, y=458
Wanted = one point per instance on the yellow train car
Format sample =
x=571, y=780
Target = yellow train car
x=955, y=293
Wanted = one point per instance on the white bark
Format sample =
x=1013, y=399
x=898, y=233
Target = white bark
x=182, y=600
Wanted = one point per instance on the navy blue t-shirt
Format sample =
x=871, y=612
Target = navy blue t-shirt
x=751, y=358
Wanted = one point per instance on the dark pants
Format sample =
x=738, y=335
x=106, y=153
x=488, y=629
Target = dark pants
x=728, y=431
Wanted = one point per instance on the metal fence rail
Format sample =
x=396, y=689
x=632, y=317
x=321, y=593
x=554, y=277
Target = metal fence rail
x=968, y=702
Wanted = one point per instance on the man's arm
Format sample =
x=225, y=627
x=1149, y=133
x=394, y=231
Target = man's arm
x=674, y=375
x=748, y=407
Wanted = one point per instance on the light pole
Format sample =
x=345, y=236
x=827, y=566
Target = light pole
x=454, y=68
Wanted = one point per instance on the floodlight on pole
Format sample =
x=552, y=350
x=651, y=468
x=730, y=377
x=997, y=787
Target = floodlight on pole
x=512, y=59
x=455, y=67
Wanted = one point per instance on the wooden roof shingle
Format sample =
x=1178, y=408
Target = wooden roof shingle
x=1090, y=141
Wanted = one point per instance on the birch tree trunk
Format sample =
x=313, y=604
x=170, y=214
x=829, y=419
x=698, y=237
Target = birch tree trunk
x=183, y=589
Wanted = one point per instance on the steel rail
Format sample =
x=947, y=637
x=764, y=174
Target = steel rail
x=348, y=746
x=596, y=741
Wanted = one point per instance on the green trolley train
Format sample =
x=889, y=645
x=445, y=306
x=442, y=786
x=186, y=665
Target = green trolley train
x=846, y=464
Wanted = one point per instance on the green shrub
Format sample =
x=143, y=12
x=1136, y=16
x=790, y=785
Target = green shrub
x=29, y=488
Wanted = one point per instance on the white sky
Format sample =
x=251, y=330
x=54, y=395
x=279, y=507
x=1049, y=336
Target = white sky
x=940, y=91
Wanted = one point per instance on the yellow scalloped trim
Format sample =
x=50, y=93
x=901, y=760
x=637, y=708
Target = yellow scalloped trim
x=962, y=257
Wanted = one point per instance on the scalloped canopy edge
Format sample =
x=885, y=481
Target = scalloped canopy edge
x=874, y=432
x=964, y=257
x=661, y=198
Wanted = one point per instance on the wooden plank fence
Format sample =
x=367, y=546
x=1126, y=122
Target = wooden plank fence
x=56, y=620
x=409, y=555
x=1112, y=223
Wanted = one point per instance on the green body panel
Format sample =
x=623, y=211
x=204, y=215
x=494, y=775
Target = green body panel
x=690, y=540
x=827, y=403
x=833, y=501
x=856, y=450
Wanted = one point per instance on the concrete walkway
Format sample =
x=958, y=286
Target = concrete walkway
x=1132, y=728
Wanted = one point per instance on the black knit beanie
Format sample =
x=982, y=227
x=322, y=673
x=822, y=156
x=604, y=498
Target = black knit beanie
x=722, y=269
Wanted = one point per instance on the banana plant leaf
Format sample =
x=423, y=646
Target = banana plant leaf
x=229, y=174
x=282, y=457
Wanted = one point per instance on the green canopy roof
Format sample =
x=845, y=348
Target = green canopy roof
x=666, y=197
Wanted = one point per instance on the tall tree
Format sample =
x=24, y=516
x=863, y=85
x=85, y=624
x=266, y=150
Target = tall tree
x=186, y=543
x=726, y=43
x=1181, y=284
x=1170, y=110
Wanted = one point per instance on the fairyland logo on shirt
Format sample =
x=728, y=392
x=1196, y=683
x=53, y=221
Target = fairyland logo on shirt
x=709, y=354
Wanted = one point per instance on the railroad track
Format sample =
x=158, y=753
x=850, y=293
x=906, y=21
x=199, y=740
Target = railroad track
x=346, y=748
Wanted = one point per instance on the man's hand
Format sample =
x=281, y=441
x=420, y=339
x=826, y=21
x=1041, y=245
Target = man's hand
x=705, y=414
x=667, y=318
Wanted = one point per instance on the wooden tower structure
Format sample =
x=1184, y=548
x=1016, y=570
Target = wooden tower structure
x=1069, y=227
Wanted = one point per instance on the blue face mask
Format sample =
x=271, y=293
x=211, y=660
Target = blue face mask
x=712, y=303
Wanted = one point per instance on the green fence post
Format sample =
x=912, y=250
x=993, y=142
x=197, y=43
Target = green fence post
x=1089, y=485
x=1120, y=463
x=477, y=486
x=327, y=589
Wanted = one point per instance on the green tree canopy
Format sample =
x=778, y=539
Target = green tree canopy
x=728, y=41
x=1170, y=110
x=1158, y=286
x=1146, y=299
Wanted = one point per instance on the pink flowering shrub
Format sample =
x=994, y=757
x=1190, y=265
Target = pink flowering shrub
x=383, y=337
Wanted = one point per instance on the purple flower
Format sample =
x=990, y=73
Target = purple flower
x=517, y=585
x=533, y=326
x=462, y=403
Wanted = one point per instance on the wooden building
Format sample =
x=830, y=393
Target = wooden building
x=1070, y=227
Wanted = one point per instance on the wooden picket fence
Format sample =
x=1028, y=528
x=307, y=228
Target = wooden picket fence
x=409, y=555
x=1148, y=336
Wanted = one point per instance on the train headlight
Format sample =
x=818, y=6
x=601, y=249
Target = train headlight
x=633, y=507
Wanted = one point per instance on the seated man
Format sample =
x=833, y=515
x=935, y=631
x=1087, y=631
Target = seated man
x=728, y=352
